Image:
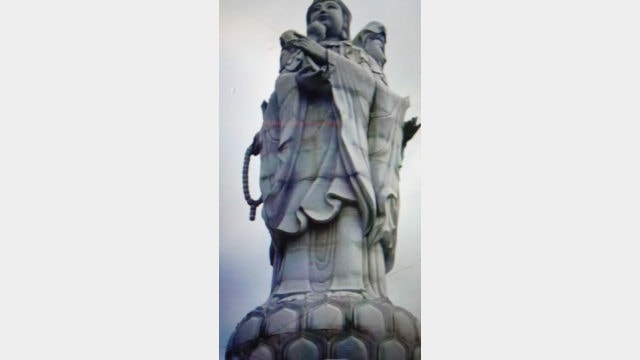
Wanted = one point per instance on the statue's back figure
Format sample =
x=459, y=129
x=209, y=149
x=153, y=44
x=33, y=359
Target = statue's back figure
x=330, y=149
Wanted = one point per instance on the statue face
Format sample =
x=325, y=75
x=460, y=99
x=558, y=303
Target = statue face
x=328, y=13
x=375, y=47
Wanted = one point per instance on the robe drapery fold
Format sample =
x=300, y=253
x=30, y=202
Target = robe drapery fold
x=353, y=89
x=329, y=140
x=385, y=158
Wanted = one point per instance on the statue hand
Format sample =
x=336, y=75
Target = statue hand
x=409, y=129
x=256, y=145
x=314, y=50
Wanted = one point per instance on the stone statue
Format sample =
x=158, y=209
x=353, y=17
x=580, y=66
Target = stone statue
x=330, y=154
x=373, y=39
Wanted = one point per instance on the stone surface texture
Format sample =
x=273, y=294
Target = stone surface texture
x=368, y=329
x=330, y=154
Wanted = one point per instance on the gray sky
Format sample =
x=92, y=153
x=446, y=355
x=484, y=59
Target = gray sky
x=249, y=58
x=109, y=174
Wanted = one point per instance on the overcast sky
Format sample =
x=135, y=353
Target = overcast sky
x=109, y=174
x=249, y=60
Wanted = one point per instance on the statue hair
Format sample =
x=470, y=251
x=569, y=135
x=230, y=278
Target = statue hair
x=374, y=27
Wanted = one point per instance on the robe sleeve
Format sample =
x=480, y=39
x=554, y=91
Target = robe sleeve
x=353, y=88
x=385, y=156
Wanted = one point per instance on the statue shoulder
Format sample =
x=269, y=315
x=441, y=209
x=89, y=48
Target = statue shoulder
x=363, y=58
x=291, y=58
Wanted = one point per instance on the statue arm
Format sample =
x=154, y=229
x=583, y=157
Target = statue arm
x=385, y=136
x=311, y=48
x=298, y=49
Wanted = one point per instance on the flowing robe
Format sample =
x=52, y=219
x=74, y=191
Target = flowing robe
x=329, y=202
x=385, y=158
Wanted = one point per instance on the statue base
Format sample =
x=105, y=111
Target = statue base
x=336, y=325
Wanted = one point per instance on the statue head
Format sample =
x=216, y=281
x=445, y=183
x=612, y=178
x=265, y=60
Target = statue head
x=334, y=15
x=372, y=38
